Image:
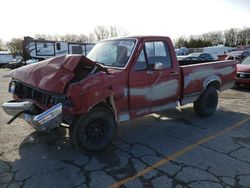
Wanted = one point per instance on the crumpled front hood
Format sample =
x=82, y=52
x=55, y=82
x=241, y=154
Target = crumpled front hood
x=51, y=75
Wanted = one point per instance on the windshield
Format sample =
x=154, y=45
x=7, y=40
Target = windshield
x=246, y=61
x=114, y=53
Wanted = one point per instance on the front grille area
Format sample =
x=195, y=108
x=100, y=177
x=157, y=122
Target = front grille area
x=243, y=75
x=27, y=92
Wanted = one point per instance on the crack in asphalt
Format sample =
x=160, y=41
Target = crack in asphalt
x=113, y=168
x=129, y=169
x=12, y=173
x=229, y=154
x=176, y=181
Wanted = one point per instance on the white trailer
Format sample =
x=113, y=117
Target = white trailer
x=43, y=49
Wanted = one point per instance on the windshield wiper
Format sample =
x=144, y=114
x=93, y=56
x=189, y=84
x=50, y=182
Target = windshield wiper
x=101, y=66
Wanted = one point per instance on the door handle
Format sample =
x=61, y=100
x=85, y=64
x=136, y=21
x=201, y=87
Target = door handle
x=173, y=73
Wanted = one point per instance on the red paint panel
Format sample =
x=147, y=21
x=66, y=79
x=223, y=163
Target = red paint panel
x=194, y=76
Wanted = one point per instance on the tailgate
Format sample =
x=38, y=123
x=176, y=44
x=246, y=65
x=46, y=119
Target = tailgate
x=195, y=78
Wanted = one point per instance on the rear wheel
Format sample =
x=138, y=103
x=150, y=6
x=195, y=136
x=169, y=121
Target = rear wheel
x=94, y=131
x=206, y=105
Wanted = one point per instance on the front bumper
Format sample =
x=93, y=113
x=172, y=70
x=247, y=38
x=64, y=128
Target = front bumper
x=44, y=121
x=245, y=81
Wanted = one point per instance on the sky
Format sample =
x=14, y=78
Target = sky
x=172, y=18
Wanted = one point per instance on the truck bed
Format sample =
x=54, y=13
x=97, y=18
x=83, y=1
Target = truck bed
x=196, y=77
x=191, y=62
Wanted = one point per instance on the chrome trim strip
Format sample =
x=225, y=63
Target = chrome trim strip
x=243, y=73
x=47, y=120
x=49, y=114
x=14, y=107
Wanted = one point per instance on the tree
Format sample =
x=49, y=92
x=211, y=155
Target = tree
x=91, y=37
x=2, y=46
x=231, y=37
x=247, y=30
x=104, y=32
x=213, y=38
x=243, y=36
x=83, y=38
x=116, y=31
x=15, y=46
x=198, y=43
x=181, y=42
x=101, y=32
x=69, y=38
x=47, y=37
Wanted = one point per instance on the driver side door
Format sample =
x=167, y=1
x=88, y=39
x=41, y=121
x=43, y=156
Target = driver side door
x=152, y=90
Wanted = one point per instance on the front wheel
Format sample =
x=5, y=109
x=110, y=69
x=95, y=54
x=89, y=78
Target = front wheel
x=94, y=131
x=206, y=104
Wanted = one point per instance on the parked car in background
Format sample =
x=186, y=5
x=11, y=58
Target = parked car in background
x=238, y=55
x=188, y=58
x=5, y=58
x=243, y=73
x=31, y=61
x=203, y=56
x=183, y=51
x=15, y=63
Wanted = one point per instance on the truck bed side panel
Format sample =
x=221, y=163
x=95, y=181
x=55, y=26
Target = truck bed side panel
x=195, y=78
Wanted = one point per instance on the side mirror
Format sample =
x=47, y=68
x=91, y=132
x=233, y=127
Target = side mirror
x=158, y=66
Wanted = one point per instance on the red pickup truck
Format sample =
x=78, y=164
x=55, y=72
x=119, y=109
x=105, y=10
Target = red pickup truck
x=120, y=79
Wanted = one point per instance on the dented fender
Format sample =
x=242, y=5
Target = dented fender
x=89, y=92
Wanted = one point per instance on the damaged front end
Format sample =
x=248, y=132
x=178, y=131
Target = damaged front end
x=44, y=121
x=40, y=91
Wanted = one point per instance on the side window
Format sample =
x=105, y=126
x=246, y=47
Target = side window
x=160, y=49
x=150, y=49
x=141, y=62
x=158, y=52
x=58, y=46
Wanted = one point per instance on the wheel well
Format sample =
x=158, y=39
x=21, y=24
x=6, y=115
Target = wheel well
x=215, y=84
x=104, y=104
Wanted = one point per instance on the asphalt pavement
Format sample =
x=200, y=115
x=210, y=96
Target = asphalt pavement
x=172, y=148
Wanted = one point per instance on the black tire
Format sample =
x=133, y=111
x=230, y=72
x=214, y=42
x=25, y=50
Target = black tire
x=94, y=131
x=206, y=104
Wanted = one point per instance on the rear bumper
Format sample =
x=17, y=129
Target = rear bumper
x=44, y=121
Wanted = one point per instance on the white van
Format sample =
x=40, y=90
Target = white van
x=5, y=58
